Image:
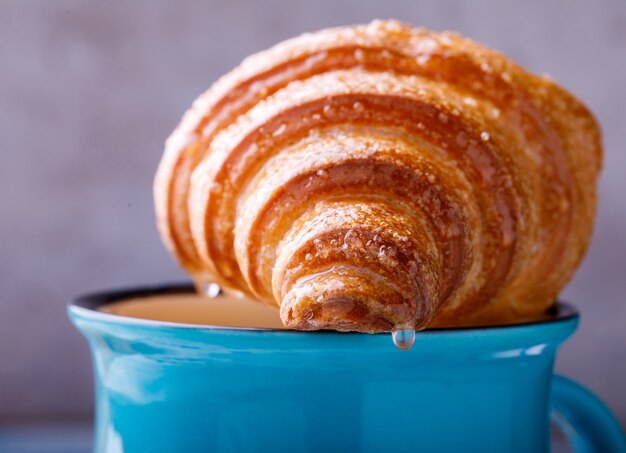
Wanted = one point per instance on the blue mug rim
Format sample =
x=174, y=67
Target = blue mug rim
x=86, y=306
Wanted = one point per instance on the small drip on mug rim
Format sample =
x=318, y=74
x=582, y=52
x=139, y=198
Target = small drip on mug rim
x=211, y=290
x=403, y=339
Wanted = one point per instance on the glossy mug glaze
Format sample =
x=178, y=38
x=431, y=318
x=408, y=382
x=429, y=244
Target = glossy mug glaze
x=173, y=387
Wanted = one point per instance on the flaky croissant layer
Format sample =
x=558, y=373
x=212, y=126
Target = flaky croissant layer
x=382, y=177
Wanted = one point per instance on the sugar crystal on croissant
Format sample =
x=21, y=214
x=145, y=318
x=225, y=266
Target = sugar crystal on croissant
x=381, y=177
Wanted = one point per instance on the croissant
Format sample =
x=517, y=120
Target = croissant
x=382, y=177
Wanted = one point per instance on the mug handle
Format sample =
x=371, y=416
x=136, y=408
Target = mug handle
x=588, y=425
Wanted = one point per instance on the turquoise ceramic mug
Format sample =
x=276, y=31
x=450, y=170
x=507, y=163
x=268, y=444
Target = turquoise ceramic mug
x=167, y=387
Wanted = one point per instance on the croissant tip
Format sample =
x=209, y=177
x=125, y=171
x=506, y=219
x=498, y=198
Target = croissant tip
x=344, y=299
x=312, y=320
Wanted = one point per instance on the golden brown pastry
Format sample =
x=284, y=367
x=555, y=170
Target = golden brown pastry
x=382, y=177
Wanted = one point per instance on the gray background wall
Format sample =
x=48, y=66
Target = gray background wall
x=89, y=91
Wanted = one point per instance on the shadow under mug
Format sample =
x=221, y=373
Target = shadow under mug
x=168, y=387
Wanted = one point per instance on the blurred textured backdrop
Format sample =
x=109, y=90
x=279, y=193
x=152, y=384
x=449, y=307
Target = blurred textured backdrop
x=89, y=91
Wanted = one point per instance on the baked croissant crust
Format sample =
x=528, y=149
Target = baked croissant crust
x=382, y=177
